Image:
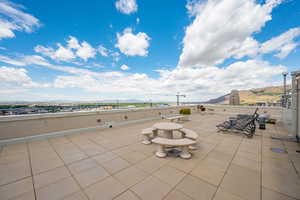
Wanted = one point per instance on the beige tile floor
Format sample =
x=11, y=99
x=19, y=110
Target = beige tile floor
x=113, y=164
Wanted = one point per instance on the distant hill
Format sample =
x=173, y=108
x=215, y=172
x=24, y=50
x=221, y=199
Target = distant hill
x=220, y=100
x=251, y=96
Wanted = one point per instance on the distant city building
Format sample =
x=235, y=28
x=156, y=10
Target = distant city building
x=234, y=98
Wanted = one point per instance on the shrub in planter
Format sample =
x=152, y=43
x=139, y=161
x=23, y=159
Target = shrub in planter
x=185, y=111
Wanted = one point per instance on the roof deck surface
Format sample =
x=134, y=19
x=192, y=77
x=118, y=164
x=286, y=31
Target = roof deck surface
x=113, y=164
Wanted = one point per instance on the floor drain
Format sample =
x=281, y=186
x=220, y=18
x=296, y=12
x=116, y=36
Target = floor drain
x=277, y=150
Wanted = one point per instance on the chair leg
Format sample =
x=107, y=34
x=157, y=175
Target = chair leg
x=155, y=133
x=185, y=153
x=147, y=139
x=161, y=152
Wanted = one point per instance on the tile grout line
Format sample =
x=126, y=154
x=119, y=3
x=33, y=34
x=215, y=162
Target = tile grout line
x=110, y=175
x=91, y=157
x=261, y=165
x=150, y=174
x=65, y=165
x=219, y=185
x=282, y=142
x=291, y=161
x=31, y=171
x=189, y=174
x=15, y=181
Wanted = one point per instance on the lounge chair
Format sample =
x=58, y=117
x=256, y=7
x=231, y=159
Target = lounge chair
x=245, y=124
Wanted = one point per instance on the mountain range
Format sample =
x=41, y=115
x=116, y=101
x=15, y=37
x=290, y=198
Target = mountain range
x=252, y=96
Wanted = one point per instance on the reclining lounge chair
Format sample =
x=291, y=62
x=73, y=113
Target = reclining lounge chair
x=244, y=124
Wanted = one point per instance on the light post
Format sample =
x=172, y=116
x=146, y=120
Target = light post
x=179, y=95
x=284, y=99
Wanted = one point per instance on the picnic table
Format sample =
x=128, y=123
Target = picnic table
x=176, y=117
x=168, y=128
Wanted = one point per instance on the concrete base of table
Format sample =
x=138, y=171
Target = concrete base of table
x=161, y=152
x=168, y=134
x=193, y=147
x=185, y=153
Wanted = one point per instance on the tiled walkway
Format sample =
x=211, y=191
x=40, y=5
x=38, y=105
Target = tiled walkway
x=113, y=164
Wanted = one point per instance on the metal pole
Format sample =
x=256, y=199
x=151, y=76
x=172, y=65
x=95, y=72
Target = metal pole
x=293, y=132
x=177, y=99
x=284, y=99
x=297, y=107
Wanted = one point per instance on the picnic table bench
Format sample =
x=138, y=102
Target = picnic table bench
x=177, y=118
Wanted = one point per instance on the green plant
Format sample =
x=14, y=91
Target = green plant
x=185, y=111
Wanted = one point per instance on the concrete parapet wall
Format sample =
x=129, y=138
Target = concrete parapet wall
x=275, y=112
x=29, y=125
x=14, y=127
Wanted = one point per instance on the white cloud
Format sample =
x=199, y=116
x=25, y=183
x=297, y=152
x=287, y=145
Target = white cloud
x=124, y=67
x=85, y=51
x=208, y=82
x=222, y=29
x=60, y=54
x=14, y=19
x=6, y=29
x=35, y=60
x=286, y=49
x=283, y=44
x=131, y=44
x=98, y=65
x=73, y=43
x=103, y=51
x=126, y=6
x=116, y=56
x=73, y=50
x=15, y=78
x=197, y=83
x=11, y=61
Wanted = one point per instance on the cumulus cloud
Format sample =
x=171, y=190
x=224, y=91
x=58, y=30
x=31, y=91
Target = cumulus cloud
x=282, y=44
x=215, y=81
x=60, y=54
x=126, y=6
x=73, y=49
x=133, y=44
x=14, y=19
x=11, y=61
x=124, y=67
x=222, y=29
x=17, y=78
x=85, y=51
x=103, y=51
x=197, y=83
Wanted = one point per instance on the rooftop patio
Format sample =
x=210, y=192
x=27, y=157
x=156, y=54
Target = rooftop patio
x=112, y=163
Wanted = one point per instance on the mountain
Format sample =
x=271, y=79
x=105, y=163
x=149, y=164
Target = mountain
x=219, y=100
x=252, y=96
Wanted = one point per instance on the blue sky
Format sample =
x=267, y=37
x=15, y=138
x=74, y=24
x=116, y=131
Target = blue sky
x=139, y=49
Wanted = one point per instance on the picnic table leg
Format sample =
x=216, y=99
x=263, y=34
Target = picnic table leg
x=155, y=133
x=147, y=139
x=193, y=147
x=161, y=152
x=168, y=134
x=185, y=153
